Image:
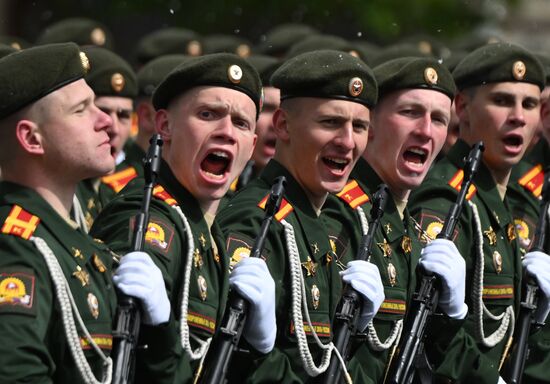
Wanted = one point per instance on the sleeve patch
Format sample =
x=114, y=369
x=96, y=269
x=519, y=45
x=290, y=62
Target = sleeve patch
x=17, y=292
x=159, y=234
x=525, y=230
x=20, y=223
x=205, y=323
x=431, y=225
x=238, y=247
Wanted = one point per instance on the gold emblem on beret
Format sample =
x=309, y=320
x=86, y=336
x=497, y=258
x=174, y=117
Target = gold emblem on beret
x=355, y=86
x=93, y=304
x=315, y=296
x=497, y=261
x=85, y=62
x=117, y=82
x=354, y=53
x=98, y=36
x=203, y=287
x=243, y=50
x=519, y=70
x=235, y=74
x=425, y=47
x=392, y=274
x=194, y=48
x=430, y=75
x=15, y=45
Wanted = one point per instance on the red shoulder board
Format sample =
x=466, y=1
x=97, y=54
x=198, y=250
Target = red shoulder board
x=160, y=193
x=353, y=195
x=456, y=182
x=20, y=223
x=284, y=209
x=118, y=180
x=533, y=180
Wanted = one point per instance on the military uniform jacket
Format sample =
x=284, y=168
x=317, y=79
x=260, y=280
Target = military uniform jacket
x=468, y=358
x=33, y=344
x=166, y=242
x=240, y=222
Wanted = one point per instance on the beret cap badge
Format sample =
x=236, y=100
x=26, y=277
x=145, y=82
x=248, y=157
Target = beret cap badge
x=194, y=48
x=85, y=62
x=430, y=75
x=519, y=70
x=355, y=86
x=243, y=50
x=117, y=82
x=98, y=36
x=235, y=74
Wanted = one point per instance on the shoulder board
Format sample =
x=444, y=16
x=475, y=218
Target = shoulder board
x=20, y=223
x=118, y=180
x=233, y=186
x=284, y=209
x=533, y=180
x=160, y=193
x=353, y=195
x=456, y=182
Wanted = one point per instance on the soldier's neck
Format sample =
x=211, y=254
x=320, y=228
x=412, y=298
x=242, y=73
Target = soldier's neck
x=209, y=207
x=61, y=201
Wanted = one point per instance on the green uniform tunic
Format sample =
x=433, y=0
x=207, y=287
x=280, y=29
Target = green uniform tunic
x=166, y=242
x=240, y=222
x=33, y=344
x=467, y=358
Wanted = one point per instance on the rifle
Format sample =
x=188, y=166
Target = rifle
x=345, y=319
x=529, y=302
x=227, y=336
x=128, y=316
x=424, y=301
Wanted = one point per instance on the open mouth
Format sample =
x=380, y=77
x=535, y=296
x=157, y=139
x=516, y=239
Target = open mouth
x=335, y=163
x=270, y=142
x=216, y=164
x=513, y=141
x=415, y=156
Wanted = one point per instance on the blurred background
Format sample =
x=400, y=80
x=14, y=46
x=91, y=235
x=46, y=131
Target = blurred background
x=380, y=22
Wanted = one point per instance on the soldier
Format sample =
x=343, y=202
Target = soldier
x=321, y=129
x=79, y=30
x=168, y=41
x=498, y=102
x=52, y=275
x=408, y=129
x=206, y=113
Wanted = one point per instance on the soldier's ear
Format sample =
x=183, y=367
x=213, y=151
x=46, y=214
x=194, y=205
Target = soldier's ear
x=29, y=137
x=462, y=101
x=280, y=124
x=146, y=117
x=162, y=125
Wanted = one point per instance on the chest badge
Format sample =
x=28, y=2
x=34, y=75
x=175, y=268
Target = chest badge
x=497, y=261
x=392, y=274
x=315, y=296
x=406, y=244
x=203, y=287
x=197, y=259
x=82, y=276
x=385, y=247
x=491, y=235
x=93, y=304
x=98, y=264
x=310, y=266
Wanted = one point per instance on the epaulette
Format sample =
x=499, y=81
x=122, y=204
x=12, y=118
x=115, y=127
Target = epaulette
x=456, y=183
x=118, y=180
x=533, y=180
x=160, y=193
x=233, y=186
x=284, y=209
x=20, y=223
x=353, y=195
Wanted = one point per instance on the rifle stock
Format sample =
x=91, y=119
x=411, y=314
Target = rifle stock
x=128, y=318
x=425, y=300
x=345, y=320
x=229, y=333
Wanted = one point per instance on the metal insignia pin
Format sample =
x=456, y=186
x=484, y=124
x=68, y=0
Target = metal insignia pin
x=385, y=247
x=388, y=228
x=491, y=235
x=77, y=253
x=197, y=258
x=82, y=276
x=93, y=304
x=519, y=70
x=98, y=36
x=315, y=247
x=406, y=244
x=511, y=232
x=310, y=266
x=117, y=82
x=98, y=264
x=203, y=287
x=497, y=261
x=355, y=86
x=202, y=240
x=315, y=296
x=430, y=75
x=235, y=74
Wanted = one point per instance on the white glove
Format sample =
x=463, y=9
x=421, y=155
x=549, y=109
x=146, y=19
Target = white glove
x=365, y=278
x=251, y=279
x=501, y=380
x=138, y=276
x=441, y=257
x=537, y=264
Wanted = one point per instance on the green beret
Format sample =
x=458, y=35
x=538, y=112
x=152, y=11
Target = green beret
x=428, y=45
x=217, y=70
x=278, y=40
x=110, y=74
x=79, y=30
x=265, y=65
x=497, y=63
x=152, y=73
x=15, y=42
x=6, y=50
x=168, y=41
x=413, y=73
x=28, y=75
x=318, y=42
x=327, y=74
x=397, y=51
x=219, y=43
x=545, y=61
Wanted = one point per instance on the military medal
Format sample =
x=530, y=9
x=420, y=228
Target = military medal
x=310, y=266
x=392, y=274
x=98, y=264
x=203, y=287
x=77, y=253
x=511, y=232
x=406, y=244
x=93, y=304
x=315, y=296
x=202, y=240
x=197, y=258
x=82, y=275
x=315, y=247
x=491, y=235
x=385, y=247
x=497, y=261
